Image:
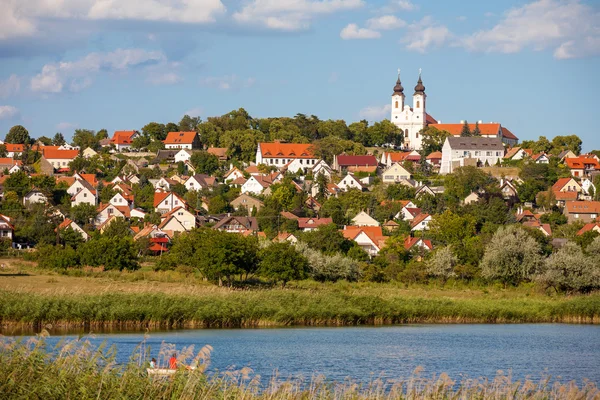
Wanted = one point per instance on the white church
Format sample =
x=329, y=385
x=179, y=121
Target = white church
x=413, y=119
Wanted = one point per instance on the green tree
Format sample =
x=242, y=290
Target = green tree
x=18, y=134
x=171, y=127
x=476, y=131
x=466, y=131
x=451, y=229
x=359, y=132
x=432, y=139
x=465, y=180
x=570, y=270
x=54, y=257
x=112, y=253
x=155, y=131
x=46, y=141
x=3, y=151
x=569, y=142
x=442, y=263
x=18, y=182
x=71, y=238
x=327, y=147
x=85, y=138
x=58, y=139
x=119, y=227
x=204, y=162
x=83, y=213
x=189, y=124
x=327, y=239
x=512, y=256
x=281, y=262
x=385, y=132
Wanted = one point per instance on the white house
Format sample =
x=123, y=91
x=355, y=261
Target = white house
x=233, y=174
x=369, y=238
x=182, y=140
x=350, y=182
x=6, y=228
x=395, y=174
x=420, y=223
x=183, y=216
x=255, y=184
x=165, y=202
x=67, y=223
x=107, y=211
x=122, y=140
x=364, y=219
x=477, y=151
x=35, y=196
x=60, y=159
x=279, y=154
x=89, y=153
x=199, y=182
x=322, y=168
x=183, y=155
x=119, y=200
x=84, y=196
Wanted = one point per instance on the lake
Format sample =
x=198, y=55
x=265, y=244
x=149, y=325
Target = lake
x=566, y=352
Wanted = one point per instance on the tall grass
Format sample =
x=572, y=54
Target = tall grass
x=76, y=370
x=280, y=307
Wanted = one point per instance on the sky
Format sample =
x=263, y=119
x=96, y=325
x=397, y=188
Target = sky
x=68, y=64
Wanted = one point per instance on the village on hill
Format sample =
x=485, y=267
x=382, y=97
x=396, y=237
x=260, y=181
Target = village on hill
x=386, y=195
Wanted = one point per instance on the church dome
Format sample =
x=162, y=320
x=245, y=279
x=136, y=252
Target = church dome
x=398, y=89
x=420, y=88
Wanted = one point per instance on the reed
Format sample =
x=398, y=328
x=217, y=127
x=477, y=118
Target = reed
x=76, y=370
x=275, y=307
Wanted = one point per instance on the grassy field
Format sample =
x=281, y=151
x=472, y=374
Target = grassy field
x=76, y=370
x=32, y=299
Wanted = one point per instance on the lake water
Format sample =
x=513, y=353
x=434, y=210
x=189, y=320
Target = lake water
x=571, y=352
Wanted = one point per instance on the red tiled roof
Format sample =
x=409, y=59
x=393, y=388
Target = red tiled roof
x=14, y=148
x=65, y=224
x=10, y=161
x=508, y=134
x=418, y=219
x=583, y=207
x=411, y=241
x=561, y=183
x=589, y=227
x=220, y=152
x=159, y=197
x=397, y=157
x=581, y=162
x=180, y=137
x=375, y=233
x=286, y=150
x=435, y=155
x=456, y=129
x=122, y=137
x=157, y=247
x=563, y=196
x=345, y=160
x=313, y=222
x=429, y=119
x=51, y=154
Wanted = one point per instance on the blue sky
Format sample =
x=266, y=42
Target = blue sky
x=67, y=64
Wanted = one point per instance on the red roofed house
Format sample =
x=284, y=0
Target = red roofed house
x=586, y=211
x=60, y=159
x=420, y=222
x=10, y=164
x=544, y=228
x=6, y=228
x=220, y=152
x=389, y=158
x=122, y=140
x=592, y=226
x=182, y=140
x=165, y=202
x=67, y=223
x=344, y=161
x=435, y=158
x=417, y=243
x=13, y=149
x=310, y=224
x=582, y=166
x=369, y=238
x=279, y=154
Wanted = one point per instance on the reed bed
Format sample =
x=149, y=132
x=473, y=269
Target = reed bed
x=76, y=370
x=229, y=309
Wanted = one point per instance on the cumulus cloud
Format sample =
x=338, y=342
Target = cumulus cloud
x=569, y=27
x=375, y=113
x=8, y=112
x=406, y=5
x=21, y=18
x=66, y=126
x=385, y=22
x=290, y=15
x=77, y=75
x=227, y=82
x=10, y=86
x=167, y=78
x=352, y=31
x=425, y=35
x=194, y=112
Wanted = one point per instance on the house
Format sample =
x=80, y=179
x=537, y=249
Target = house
x=183, y=218
x=368, y=238
x=85, y=195
x=10, y=164
x=165, y=156
x=582, y=166
x=472, y=198
x=35, y=196
x=182, y=140
x=88, y=153
x=541, y=158
x=60, y=159
x=67, y=223
x=428, y=190
x=321, y=168
x=592, y=226
x=492, y=130
x=165, y=202
x=312, y=204
x=233, y=174
x=107, y=211
x=285, y=237
x=122, y=140
x=391, y=225
x=477, y=151
x=434, y=159
x=544, y=228
x=516, y=153
x=165, y=184
x=586, y=211
x=6, y=228
x=279, y=154
x=508, y=190
x=121, y=200
x=412, y=243
x=350, y=182
x=220, y=152
x=364, y=219
x=183, y=155
x=389, y=158
x=588, y=187
x=343, y=161
x=310, y=224
x=420, y=222
x=563, y=155
x=249, y=202
x=258, y=183
x=13, y=149
x=395, y=174
x=567, y=185
x=199, y=182
x=236, y=224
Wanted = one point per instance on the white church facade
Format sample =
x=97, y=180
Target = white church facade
x=412, y=120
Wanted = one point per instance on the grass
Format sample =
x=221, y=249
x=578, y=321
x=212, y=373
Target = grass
x=32, y=299
x=76, y=370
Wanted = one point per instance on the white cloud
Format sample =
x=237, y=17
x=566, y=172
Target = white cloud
x=461, y=18
x=10, y=86
x=21, y=17
x=375, y=113
x=66, y=126
x=227, y=82
x=352, y=31
x=406, y=5
x=385, y=22
x=569, y=27
x=77, y=75
x=290, y=15
x=7, y=112
x=167, y=78
x=194, y=112
x=425, y=34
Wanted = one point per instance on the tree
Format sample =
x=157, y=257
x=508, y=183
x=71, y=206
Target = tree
x=46, y=141
x=442, y=263
x=284, y=194
x=171, y=127
x=476, y=131
x=569, y=142
x=85, y=138
x=451, y=229
x=512, y=256
x=83, y=213
x=54, y=257
x=466, y=131
x=204, y=162
x=155, y=131
x=327, y=239
x=360, y=132
x=189, y=124
x=327, y=147
x=385, y=132
x=281, y=262
x=58, y=139
x=18, y=182
x=140, y=142
x=3, y=151
x=119, y=227
x=112, y=253
x=432, y=139
x=570, y=270
x=71, y=238
x=102, y=134
x=18, y=135
x=465, y=180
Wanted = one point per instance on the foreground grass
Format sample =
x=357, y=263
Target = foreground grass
x=32, y=299
x=75, y=370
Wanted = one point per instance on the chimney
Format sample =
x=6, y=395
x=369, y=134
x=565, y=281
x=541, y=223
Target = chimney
x=462, y=121
x=439, y=121
x=480, y=121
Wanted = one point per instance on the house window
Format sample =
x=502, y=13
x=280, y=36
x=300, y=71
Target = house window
x=276, y=161
x=497, y=154
x=176, y=202
x=166, y=202
x=488, y=153
x=110, y=211
x=85, y=195
x=477, y=153
x=576, y=215
x=465, y=153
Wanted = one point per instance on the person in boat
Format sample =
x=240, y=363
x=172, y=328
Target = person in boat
x=173, y=361
x=153, y=363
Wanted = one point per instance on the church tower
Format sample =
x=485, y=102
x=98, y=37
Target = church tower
x=419, y=99
x=397, y=101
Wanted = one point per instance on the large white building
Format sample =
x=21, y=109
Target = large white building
x=411, y=120
x=475, y=151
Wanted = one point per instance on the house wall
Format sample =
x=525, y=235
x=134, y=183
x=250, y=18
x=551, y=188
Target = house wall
x=59, y=162
x=452, y=157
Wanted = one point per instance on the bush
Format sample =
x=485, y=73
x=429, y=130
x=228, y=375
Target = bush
x=53, y=257
x=570, y=270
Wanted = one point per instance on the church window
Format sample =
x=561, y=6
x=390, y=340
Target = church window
x=417, y=134
x=406, y=132
x=396, y=103
x=418, y=104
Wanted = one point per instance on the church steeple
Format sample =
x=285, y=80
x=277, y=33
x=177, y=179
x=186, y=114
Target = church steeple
x=420, y=88
x=398, y=89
